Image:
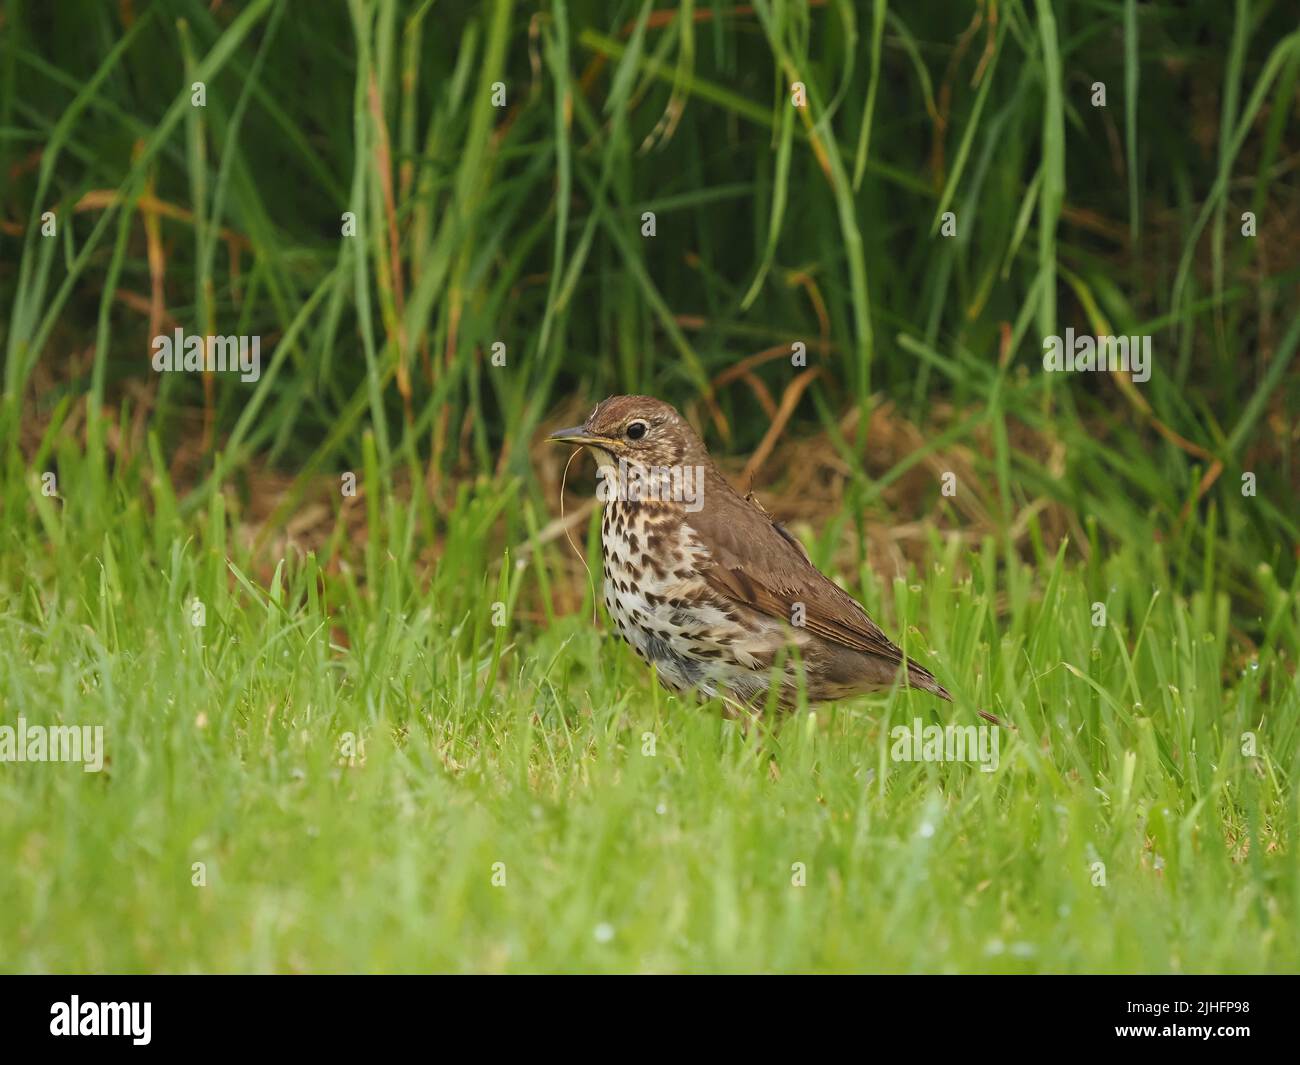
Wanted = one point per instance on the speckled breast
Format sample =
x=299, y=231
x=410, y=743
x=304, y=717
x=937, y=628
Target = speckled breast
x=664, y=609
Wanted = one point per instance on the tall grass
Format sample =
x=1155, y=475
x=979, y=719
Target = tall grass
x=478, y=224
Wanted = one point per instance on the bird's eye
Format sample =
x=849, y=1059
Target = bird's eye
x=636, y=430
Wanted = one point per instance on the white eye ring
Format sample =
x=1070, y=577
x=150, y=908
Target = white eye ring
x=637, y=429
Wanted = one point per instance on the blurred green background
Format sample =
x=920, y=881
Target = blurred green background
x=522, y=225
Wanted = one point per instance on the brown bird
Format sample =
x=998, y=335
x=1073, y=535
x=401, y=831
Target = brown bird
x=710, y=590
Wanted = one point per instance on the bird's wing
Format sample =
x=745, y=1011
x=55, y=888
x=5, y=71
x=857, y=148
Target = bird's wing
x=758, y=564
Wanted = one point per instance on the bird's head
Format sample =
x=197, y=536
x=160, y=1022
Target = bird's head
x=639, y=430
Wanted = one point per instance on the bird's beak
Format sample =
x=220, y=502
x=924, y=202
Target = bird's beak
x=579, y=435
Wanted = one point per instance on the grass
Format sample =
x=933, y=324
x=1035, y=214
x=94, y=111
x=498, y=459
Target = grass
x=527, y=745
x=1153, y=749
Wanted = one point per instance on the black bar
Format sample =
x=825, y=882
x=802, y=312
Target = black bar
x=339, y=1013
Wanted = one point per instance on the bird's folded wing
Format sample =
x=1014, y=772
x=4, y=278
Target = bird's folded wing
x=771, y=573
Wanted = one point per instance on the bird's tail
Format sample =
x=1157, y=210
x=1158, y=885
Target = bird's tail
x=920, y=677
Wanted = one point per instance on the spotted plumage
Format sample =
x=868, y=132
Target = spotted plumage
x=706, y=587
x=667, y=612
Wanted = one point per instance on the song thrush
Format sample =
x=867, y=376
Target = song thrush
x=707, y=587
